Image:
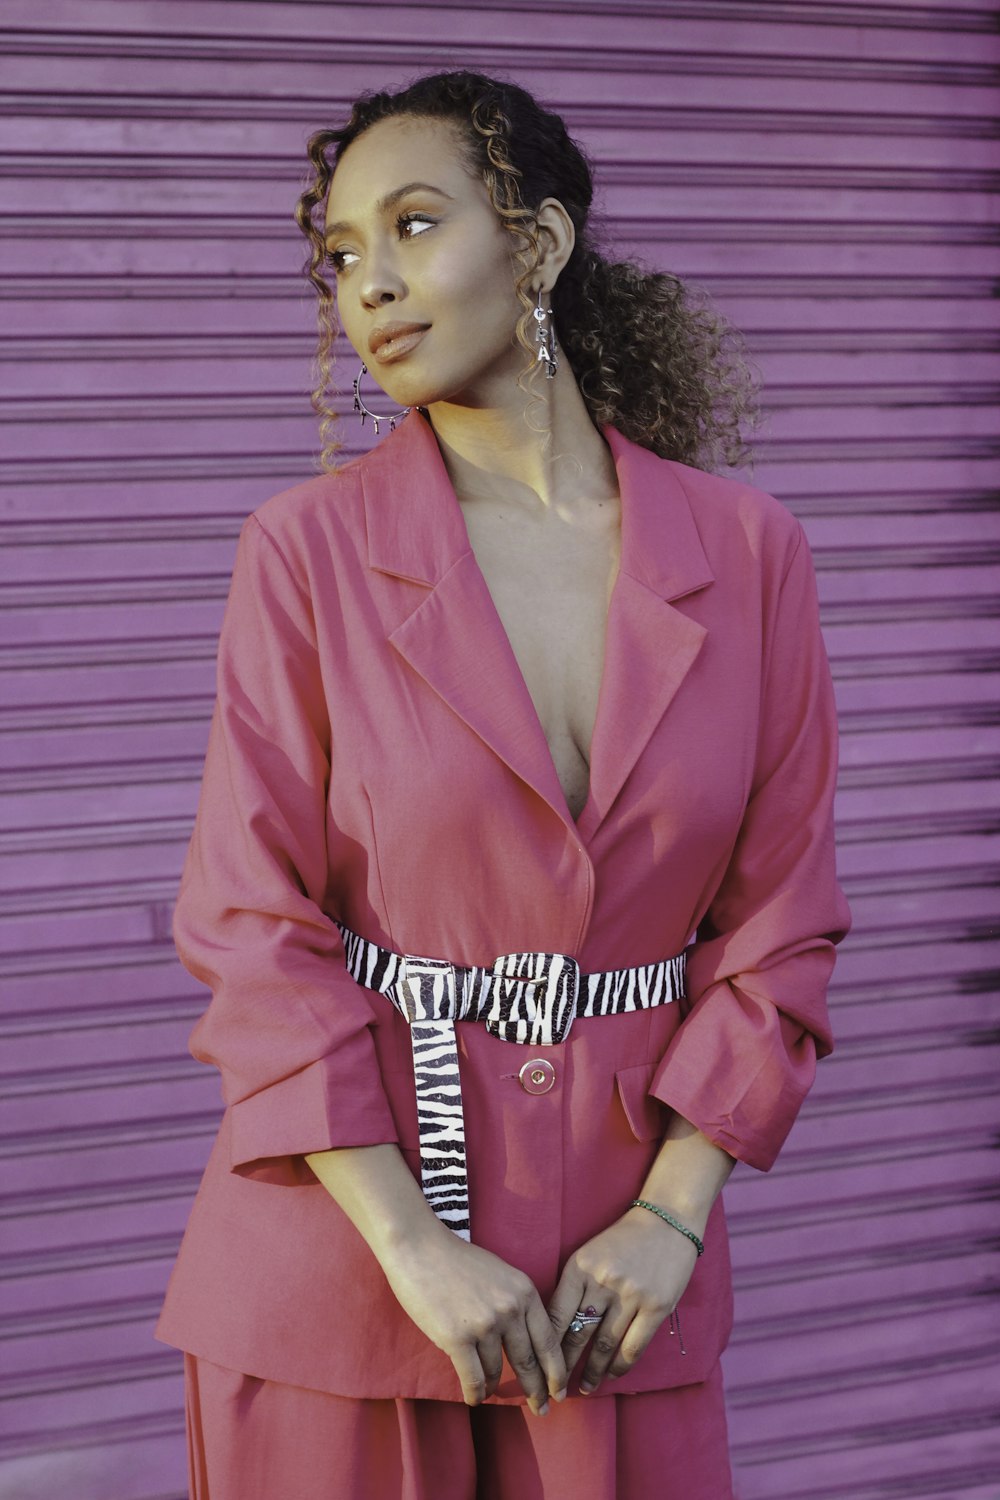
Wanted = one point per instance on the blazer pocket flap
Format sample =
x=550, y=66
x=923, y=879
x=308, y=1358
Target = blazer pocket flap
x=646, y=1115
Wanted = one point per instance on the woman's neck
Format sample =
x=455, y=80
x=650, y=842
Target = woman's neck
x=491, y=452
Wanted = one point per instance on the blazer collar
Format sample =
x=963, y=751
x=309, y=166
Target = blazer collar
x=416, y=528
x=455, y=640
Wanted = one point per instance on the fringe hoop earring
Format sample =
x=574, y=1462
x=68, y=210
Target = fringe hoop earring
x=546, y=337
x=377, y=417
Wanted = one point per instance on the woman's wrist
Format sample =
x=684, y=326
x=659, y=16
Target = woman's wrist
x=380, y=1195
x=409, y=1232
x=693, y=1216
x=687, y=1176
x=644, y=1206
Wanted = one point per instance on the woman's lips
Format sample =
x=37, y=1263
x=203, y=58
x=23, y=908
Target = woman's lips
x=397, y=347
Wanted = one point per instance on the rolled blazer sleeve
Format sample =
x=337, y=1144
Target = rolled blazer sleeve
x=287, y=1026
x=756, y=1018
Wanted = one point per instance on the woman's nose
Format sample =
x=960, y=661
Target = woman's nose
x=376, y=297
x=381, y=283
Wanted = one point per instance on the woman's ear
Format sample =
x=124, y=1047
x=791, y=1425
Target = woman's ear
x=556, y=237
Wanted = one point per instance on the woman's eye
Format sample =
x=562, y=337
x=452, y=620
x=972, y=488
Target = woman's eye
x=335, y=258
x=408, y=220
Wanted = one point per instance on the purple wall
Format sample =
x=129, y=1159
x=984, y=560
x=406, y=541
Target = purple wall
x=825, y=172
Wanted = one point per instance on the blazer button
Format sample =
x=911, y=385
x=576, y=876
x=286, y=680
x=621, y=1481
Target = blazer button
x=537, y=1076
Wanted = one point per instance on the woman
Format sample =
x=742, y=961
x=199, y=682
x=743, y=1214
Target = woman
x=513, y=868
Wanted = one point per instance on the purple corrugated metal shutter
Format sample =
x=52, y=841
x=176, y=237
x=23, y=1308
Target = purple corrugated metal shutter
x=825, y=171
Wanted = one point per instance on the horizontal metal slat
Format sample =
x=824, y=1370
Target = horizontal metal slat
x=932, y=32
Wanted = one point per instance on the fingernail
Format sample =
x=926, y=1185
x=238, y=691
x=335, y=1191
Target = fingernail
x=561, y=1395
x=540, y=1411
x=586, y=1388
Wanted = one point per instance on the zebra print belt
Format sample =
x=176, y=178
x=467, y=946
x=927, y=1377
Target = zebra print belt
x=529, y=998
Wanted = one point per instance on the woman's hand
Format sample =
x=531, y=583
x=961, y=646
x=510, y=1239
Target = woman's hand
x=634, y=1273
x=473, y=1305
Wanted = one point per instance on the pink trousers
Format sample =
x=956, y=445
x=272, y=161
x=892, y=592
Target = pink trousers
x=254, y=1439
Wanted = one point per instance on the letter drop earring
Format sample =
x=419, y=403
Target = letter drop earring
x=376, y=417
x=546, y=337
x=547, y=355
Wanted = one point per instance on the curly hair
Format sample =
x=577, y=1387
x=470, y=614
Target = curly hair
x=651, y=357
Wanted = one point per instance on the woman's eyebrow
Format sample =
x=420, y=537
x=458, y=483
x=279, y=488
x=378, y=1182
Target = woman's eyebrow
x=384, y=204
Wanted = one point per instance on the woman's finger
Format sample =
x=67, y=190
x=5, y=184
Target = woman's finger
x=619, y=1343
x=595, y=1302
x=490, y=1351
x=635, y=1342
x=546, y=1344
x=469, y=1370
x=604, y=1346
x=525, y=1362
x=566, y=1298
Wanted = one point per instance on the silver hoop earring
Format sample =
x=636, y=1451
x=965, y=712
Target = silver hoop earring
x=377, y=417
x=546, y=337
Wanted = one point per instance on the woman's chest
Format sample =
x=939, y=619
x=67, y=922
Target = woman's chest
x=551, y=587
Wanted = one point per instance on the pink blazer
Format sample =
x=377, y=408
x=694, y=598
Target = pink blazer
x=374, y=756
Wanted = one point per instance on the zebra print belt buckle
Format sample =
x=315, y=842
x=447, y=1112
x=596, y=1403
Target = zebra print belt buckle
x=428, y=989
x=534, y=998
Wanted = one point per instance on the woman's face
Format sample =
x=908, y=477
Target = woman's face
x=416, y=241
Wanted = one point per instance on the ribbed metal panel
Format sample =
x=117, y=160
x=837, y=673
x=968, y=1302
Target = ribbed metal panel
x=828, y=172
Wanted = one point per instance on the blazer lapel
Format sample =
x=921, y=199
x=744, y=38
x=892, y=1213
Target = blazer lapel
x=456, y=641
x=649, y=645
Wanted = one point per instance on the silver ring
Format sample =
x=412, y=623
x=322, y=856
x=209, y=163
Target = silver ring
x=582, y=1321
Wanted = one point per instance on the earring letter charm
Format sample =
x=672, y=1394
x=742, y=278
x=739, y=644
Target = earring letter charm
x=376, y=417
x=546, y=337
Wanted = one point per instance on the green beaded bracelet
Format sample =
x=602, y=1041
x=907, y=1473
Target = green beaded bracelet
x=669, y=1219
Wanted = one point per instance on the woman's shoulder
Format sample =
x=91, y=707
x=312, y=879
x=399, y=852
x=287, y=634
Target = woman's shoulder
x=730, y=511
x=726, y=498
x=321, y=515
x=321, y=493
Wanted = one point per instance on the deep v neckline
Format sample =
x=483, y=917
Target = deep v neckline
x=455, y=641
x=602, y=689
